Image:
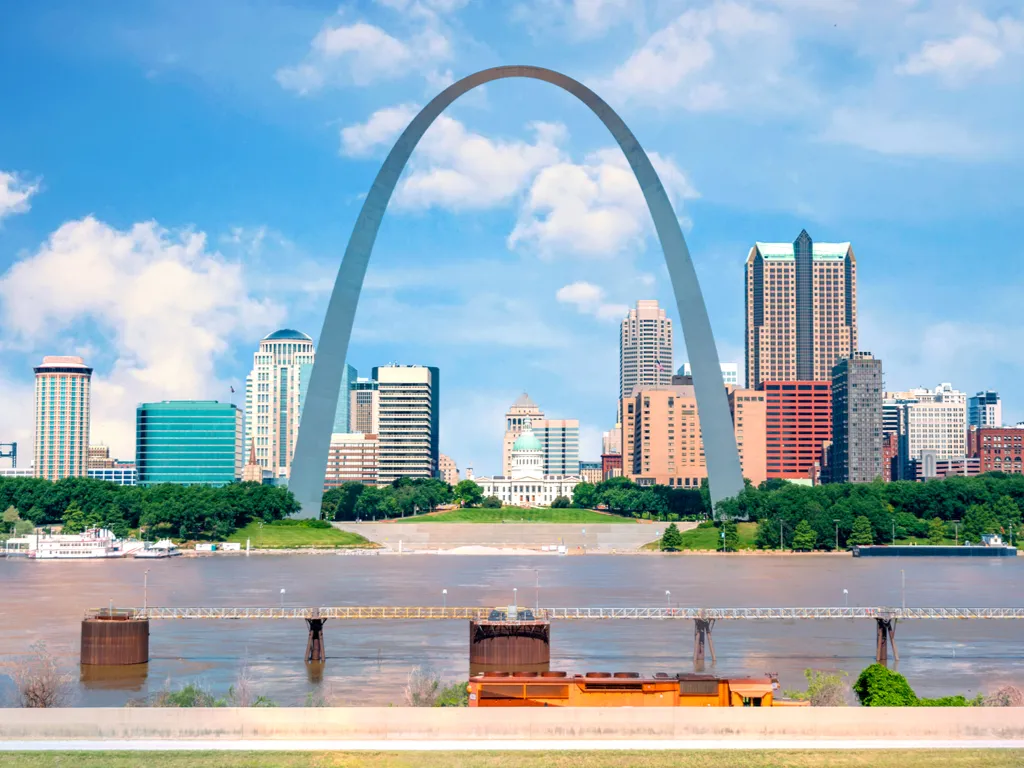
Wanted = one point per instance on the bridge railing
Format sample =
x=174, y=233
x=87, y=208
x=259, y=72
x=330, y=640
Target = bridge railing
x=477, y=613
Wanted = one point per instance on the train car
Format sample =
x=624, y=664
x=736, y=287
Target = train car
x=620, y=689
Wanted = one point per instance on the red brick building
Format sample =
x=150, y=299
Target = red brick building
x=890, y=454
x=611, y=465
x=799, y=420
x=999, y=449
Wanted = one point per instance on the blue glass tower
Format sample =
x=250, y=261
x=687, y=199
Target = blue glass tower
x=188, y=442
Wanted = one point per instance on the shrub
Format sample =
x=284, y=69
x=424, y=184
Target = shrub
x=561, y=502
x=707, y=524
x=454, y=695
x=39, y=680
x=422, y=688
x=491, y=502
x=1007, y=696
x=878, y=686
x=671, y=539
x=824, y=689
x=189, y=695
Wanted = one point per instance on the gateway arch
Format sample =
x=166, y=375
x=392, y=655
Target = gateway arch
x=309, y=464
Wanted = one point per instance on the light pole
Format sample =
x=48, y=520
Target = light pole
x=536, y=587
x=893, y=531
x=956, y=529
x=668, y=599
x=282, y=598
x=837, y=534
x=515, y=598
x=444, y=596
x=145, y=589
x=903, y=588
x=261, y=535
x=846, y=597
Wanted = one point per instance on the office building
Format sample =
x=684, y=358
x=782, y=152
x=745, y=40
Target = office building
x=997, y=449
x=409, y=414
x=62, y=410
x=188, y=442
x=856, y=455
x=929, y=420
x=521, y=411
x=17, y=472
x=448, y=470
x=611, y=465
x=890, y=454
x=929, y=467
x=985, y=409
x=801, y=302
x=645, y=348
x=272, y=402
x=561, y=441
x=661, y=440
x=364, y=406
x=799, y=421
x=527, y=484
x=121, y=474
x=99, y=457
x=611, y=441
x=730, y=373
x=591, y=472
x=353, y=458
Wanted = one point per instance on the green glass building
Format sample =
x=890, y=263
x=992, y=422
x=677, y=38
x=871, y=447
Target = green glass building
x=188, y=442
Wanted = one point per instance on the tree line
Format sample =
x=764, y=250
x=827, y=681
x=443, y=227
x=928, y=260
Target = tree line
x=404, y=497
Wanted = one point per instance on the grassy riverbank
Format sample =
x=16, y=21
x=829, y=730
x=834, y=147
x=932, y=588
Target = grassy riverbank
x=698, y=539
x=965, y=758
x=295, y=536
x=517, y=515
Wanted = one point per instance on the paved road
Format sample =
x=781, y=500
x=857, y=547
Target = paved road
x=411, y=745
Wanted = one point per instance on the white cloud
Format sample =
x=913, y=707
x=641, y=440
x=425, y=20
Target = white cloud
x=956, y=59
x=459, y=169
x=362, y=54
x=724, y=55
x=382, y=128
x=593, y=17
x=595, y=208
x=15, y=193
x=913, y=136
x=589, y=300
x=166, y=306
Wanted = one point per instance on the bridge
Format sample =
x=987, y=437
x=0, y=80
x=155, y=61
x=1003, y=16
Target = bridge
x=533, y=624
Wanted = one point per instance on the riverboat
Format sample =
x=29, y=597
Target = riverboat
x=93, y=544
x=622, y=689
x=159, y=550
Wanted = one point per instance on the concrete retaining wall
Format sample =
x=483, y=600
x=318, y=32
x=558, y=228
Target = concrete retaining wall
x=389, y=723
x=599, y=537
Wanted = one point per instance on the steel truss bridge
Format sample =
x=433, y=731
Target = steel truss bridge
x=411, y=613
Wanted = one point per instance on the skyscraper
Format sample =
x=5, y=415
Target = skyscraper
x=188, y=442
x=342, y=414
x=799, y=422
x=521, y=411
x=929, y=421
x=63, y=389
x=409, y=415
x=272, y=402
x=645, y=348
x=856, y=454
x=561, y=441
x=801, y=310
x=364, y=406
x=985, y=409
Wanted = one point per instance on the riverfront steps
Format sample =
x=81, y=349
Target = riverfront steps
x=390, y=726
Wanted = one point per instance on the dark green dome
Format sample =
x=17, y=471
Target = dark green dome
x=287, y=334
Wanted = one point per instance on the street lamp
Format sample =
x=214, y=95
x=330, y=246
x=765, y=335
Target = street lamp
x=444, y=596
x=536, y=587
x=282, y=598
x=903, y=588
x=145, y=589
x=846, y=597
x=515, y=598
x=837, y=534
x=261, y=534
x=668, y=598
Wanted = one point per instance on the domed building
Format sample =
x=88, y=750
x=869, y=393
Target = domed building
x=526, y=485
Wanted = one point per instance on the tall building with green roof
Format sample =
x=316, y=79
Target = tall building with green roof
x=188, y=442
x=801, y=301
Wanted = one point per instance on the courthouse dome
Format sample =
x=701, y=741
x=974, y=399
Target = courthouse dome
x=287, y=334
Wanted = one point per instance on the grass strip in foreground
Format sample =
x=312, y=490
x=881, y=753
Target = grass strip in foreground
x=966, y=758
x=293, y=536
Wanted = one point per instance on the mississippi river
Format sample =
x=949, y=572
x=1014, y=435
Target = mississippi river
x=368, y=662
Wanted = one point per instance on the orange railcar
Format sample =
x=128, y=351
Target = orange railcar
x=621, y=689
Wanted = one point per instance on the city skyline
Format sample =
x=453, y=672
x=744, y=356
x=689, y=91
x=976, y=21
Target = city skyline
x=270, y=242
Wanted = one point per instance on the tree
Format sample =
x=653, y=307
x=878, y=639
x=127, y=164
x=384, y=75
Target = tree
x=862, y=532
x=468, y=493
x=491, y=502
x=824, y=689
x=39, y=680
x=11, y=516
x=728, y=536
x=671, y=539
x=584, y=496
x=561, y=502
x=936, y=531
x=878, y=686
x=377, y=503
x=805, y=538
x=74, y=519
x=979, y=520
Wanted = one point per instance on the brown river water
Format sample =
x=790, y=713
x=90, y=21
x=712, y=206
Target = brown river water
x=368, y=661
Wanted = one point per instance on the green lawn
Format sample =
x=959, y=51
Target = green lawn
x=290, y=536
x=517, y=515
x=708, y=538
x=951, y=758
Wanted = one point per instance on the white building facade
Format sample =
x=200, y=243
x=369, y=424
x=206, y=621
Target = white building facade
x=408, y=398
x=730, y=372
x=526, y=485
x=933, y=421
x=645, y=348
x=521, y=411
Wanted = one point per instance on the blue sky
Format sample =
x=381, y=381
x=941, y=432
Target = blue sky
x=178, y=178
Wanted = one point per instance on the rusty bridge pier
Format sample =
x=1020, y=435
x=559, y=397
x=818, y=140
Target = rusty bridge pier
x=315, y=652
x=701, y=637
x=885, y=636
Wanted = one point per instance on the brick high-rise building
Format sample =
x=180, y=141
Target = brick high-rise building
x=799, y=421
x=999, y=449
x=645, y=348
x=856, y=455
x=353, y=458
x=63, y=408
x=661, y=440
x=801, y=310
